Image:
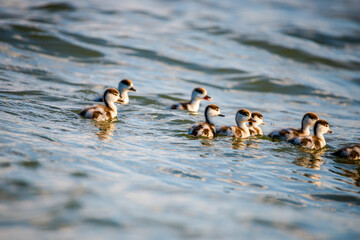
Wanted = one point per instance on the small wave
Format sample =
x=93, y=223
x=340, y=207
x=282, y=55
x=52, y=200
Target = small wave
x=323, y=38
x=298, y=55
x=345, y=198
x=33, y=38
x=181, y=174
x=55, y=7
x=265, y=84
x=213, y=30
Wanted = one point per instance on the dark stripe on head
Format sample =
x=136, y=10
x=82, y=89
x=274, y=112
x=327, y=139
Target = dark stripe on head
x=126, y=82
x=322, y=122
x=212, y=106
x=244, y=112
x=199, y=90
x=256, y=114
x=112, y=91
x=312, y=116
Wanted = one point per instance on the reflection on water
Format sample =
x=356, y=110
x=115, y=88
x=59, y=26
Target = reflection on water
x=312, y=159
x=350, y=173
x=106, y=130
x=242, y=144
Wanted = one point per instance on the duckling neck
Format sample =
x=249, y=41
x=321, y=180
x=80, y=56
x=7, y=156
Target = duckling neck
x=209, y=119
x=244, y=126
x=110, y=105
x=124, y=96
x=194, y=104
x=305, y=129
x=318, y=135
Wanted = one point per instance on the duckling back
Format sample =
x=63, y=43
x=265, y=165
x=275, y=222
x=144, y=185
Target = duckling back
x=202, y=130
x=350, y=153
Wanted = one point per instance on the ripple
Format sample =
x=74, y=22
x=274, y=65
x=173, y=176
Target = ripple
x=30, y=164
x=103, y=222
x=345, y=198
x=323, y=38
x=242, y=183
x=38, y=74
x=12, y=189
x=181, y=174
x=55, y=7
x=33, y=38
x=265, y=84
x=281, y=201
x=298, y=55
x=213, y=30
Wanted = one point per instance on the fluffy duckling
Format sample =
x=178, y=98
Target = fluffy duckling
x=316, y=141
x=103, y=112
x=242, y=117
x=254, y=126
x=207, y=128
x=350, y=153
x=193, y=105
x=124, y=87
x=286, y=134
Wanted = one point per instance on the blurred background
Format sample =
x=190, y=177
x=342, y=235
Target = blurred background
x=141, y=176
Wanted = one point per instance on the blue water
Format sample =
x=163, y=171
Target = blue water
x=141, y=176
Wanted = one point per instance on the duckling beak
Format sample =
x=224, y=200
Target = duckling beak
x=120, y=101
x=133, y=89
x=208, y=98
x=263, y=123
x=221, y=115
x=252, y=120
x=329, y=131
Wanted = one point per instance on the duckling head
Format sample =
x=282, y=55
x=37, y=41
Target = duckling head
x=111, y=95
x=212, y=110
x=309, y=120
x=200, y=94
x=126, y=85
x=243, y=116
x=321, y=127
x=258, y=117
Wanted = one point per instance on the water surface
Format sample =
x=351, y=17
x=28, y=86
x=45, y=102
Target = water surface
x=141, y=176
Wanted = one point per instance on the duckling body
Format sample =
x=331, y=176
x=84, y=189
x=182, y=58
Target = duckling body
x=103, y=112
x=317, y=141
x=254, y=128
x=287, y=134
x=124, y=87
x=242, y=117
x=207, y=128
x=350, y=153
x=198, y=94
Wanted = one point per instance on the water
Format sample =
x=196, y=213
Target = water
x=141, y=177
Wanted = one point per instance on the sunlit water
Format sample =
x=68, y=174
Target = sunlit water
x=141, y=176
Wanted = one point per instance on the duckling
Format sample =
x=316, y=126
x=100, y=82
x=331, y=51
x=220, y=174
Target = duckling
x=350, y=153
x=193, y=105
x=101, y=112
x=124, y=87
x=207, y=128
x=254, y=126
x=242, y=117
x=287, y=134
x=316, y=141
